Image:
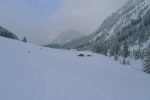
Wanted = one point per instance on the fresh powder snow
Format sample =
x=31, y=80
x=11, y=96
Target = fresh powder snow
x=30, y=72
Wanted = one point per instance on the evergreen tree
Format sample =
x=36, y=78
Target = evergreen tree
x=124, y=61
x=116, y=58
x=8, y=34
x=136, y=54
x=147, y=61
x=24, y=39
x=100, y=49
x=125, y=50
x=115, y=49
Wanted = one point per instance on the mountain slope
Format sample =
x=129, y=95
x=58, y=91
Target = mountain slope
x=66, y=36
x=76, y=43
x=130, y=12
x=130, y=24
x=30, y=72
x=5, y=33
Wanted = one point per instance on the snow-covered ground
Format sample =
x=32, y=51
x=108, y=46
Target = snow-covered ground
x=30, y=72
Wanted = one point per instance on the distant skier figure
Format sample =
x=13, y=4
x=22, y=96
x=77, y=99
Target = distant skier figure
x=29, y=51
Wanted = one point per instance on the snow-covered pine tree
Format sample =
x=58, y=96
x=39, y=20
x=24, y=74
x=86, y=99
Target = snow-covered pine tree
x=124, y=61
x=126, y=52
x=24, y=39
x=147, y=61
x=116, y=58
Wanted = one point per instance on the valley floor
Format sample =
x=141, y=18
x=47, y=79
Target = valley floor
x=29, y=72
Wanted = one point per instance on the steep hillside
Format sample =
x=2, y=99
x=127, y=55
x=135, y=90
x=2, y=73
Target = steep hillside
x=131, y=13
x=129, y=25
x=5, y=33
x=30, y=72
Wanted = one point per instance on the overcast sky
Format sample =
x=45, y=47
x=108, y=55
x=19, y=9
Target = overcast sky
x=42, y=20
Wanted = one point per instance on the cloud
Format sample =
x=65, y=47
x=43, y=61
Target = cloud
x=43, y=20
x=85, y=16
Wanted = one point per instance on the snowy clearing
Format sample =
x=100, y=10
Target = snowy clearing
x=30, y=72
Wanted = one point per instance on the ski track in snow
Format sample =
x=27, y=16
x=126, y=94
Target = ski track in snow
x=40, y=85
x=49, y=74
x=44, y=78
x=73, y=77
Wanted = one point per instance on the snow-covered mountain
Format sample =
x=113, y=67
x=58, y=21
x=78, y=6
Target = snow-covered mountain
x=30, y=72
x=132, y=12
x=130, y=24
x=66, y=37
x=76, y=43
